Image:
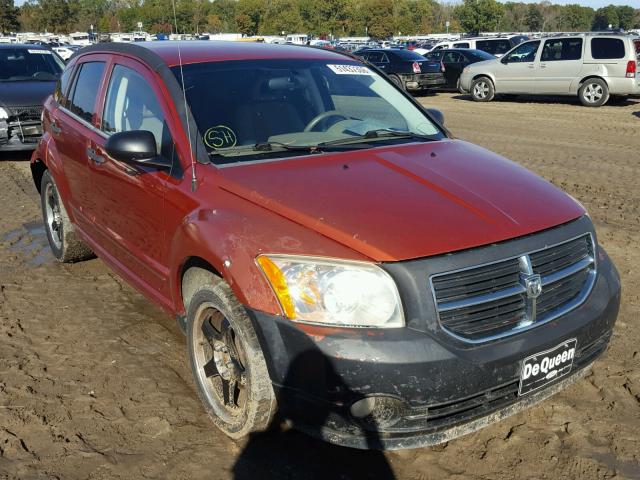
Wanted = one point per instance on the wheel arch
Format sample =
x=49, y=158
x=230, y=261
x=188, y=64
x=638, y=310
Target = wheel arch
x=195, y=271
x=38, y=167
x=588, y=77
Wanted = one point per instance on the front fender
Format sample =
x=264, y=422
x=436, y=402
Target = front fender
x=230, y=238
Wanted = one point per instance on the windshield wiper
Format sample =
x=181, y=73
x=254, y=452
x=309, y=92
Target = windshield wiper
x=269, y=146
x=263, y=147
x=377, y=134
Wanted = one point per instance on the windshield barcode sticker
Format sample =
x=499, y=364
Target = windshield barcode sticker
x=42, y=52
x=350, y=69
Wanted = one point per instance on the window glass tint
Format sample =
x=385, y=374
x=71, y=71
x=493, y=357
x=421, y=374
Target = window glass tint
x=494, y=47
x=565, y=49
x=85, y=90
x=59, y=95
x=132, y=105
x=374, y=57
x=461, y=45
x=20, y=64
x=607, y=48
x=524, y=53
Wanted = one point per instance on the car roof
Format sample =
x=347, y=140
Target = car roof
x=201, y=51
x=22, y=46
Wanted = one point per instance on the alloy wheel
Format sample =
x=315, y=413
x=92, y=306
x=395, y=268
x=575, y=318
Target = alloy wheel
x=593, y=93
x=220, y=362
x=53, y=217
x=481, y=90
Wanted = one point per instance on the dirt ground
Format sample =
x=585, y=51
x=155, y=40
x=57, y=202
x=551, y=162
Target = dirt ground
x=94, y=381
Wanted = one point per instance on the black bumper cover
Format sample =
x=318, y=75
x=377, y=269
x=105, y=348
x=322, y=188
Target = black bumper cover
x=443, y=388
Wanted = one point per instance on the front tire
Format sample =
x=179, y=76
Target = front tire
x=594, y=92
x=482, y=90
x=64, y=241
x=227, y=362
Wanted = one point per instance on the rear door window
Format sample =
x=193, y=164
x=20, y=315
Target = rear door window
x=607, y=48
x=562, y=49
x=83, y=98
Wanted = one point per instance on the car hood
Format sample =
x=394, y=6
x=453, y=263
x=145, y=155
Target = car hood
x=484, y=63
x=24, y=93
x=407, y=201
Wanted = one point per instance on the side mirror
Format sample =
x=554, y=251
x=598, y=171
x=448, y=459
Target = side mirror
x=437, y=115
x=504, y=60
x=136, y=147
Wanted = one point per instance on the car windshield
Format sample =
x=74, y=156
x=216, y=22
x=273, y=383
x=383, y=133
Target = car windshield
x=261, y=108
x=33, y=64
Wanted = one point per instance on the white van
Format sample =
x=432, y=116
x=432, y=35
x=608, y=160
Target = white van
x=593, y=66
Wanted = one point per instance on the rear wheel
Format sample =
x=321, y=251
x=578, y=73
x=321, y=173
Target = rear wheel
x=65, y=243
x=397, y=81
x=227, y=362
x=594, y=92
x=482, y=90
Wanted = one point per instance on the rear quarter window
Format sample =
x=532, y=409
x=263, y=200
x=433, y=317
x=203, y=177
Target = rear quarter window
x=607, y=48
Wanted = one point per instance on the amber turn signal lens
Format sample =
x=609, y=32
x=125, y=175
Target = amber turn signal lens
x=279, y=285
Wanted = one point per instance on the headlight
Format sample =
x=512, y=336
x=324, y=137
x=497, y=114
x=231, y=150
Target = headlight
x=3, y=114
x=333, y=292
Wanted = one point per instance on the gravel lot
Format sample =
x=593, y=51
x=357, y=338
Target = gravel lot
x=94, y=381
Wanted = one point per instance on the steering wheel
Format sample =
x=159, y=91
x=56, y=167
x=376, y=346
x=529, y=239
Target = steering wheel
x=322, y=116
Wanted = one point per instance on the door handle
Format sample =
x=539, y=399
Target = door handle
x=93, y=156
x=531, y=66
x=542, y=65
x=55, y=129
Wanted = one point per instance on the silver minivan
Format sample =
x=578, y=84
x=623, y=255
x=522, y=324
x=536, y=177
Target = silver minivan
x=593, y=66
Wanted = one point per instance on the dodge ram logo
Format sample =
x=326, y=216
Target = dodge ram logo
x=533, y=286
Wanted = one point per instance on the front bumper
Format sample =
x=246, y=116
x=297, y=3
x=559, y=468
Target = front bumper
x=440, y=388
x=19, y=136
x=423, y=81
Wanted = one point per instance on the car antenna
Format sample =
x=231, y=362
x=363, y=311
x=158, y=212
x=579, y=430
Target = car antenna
x=194, y=181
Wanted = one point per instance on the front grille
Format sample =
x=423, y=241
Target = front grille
x=27, y=113
x=485, y=302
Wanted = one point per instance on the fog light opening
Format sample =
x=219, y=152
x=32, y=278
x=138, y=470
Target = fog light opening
x=377, y=412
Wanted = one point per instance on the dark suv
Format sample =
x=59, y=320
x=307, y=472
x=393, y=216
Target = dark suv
x=28, y=75
x=330, y=251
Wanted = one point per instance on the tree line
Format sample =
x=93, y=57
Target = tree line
x=337, y=18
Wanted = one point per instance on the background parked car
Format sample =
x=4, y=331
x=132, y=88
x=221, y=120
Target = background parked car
x=454, y=61
x=591, y=66
x=405, y=68
x=28, y=75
